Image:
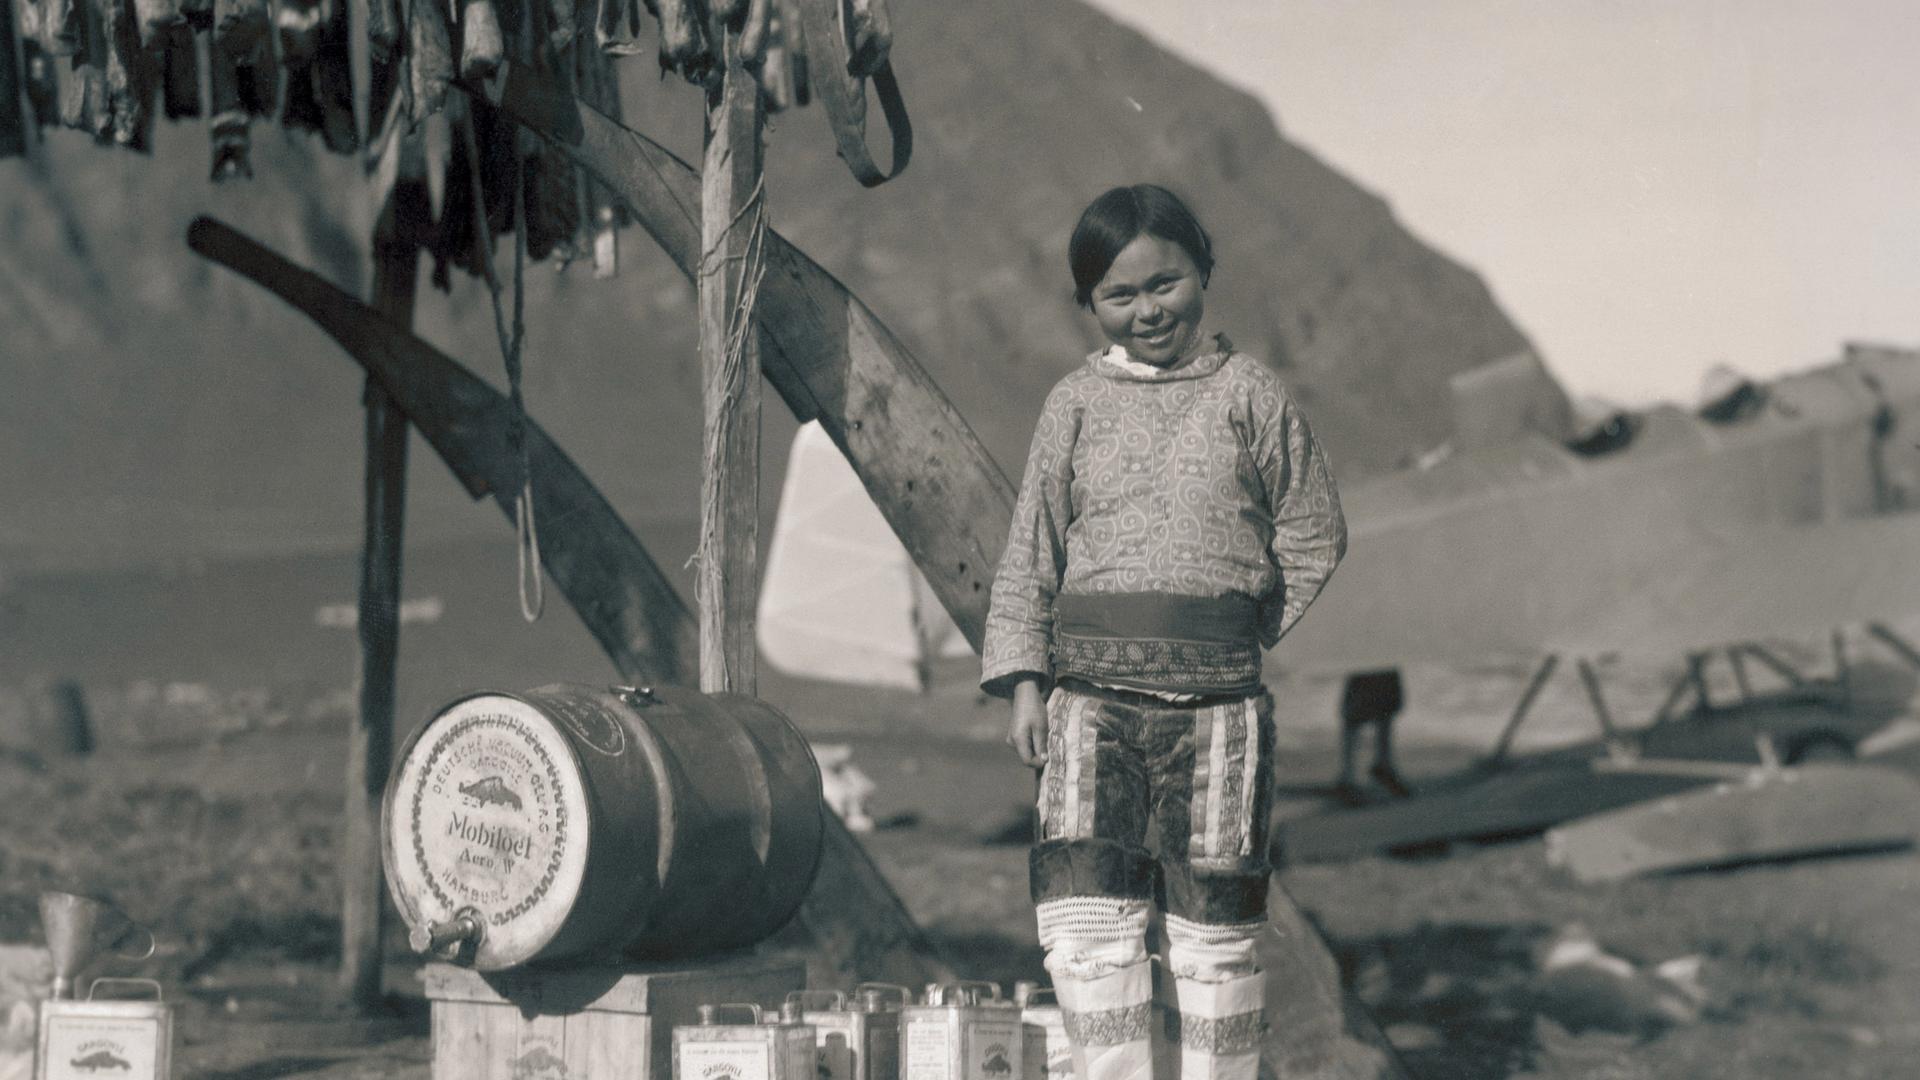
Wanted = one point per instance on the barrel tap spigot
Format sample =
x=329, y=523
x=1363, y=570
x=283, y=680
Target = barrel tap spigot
x=447, y=940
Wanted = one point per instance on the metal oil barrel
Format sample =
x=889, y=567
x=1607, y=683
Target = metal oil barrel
x=961, y=1031
x=756, y=1047
x=663, y=823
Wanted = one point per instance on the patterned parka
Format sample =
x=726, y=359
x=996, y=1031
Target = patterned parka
x=1149, y=489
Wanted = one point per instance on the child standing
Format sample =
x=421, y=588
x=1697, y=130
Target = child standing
x=1176, y=517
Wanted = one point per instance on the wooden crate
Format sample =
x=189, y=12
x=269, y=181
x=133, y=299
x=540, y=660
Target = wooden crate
x=582, y=1022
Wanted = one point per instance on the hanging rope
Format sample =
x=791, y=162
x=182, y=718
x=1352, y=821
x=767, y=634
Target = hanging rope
x=527, y=578
x=740, y=323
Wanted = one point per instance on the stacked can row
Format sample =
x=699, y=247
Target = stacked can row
x=958, y=1031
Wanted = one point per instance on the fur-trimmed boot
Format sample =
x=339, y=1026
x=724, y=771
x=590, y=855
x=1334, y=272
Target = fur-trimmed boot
x=1219, y=999
x=1103, y=979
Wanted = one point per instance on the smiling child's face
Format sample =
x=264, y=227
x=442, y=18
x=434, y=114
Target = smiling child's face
x=1151, y=300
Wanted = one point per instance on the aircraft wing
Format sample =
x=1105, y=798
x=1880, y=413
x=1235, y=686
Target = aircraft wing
x=1695, y=535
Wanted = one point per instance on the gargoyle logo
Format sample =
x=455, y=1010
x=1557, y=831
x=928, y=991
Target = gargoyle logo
x=539, y=1063
x=101, y=1059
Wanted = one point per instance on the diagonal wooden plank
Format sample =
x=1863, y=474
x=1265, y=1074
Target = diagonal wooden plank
x=826, y=354
x=860, y=927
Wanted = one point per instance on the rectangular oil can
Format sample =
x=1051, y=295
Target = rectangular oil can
x=1047, y=1055
x=964, y=1031
x=857, y=1038
x=756, y=1047
x=86, y=1040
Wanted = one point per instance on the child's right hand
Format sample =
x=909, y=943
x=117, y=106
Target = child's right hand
x=1027, y=734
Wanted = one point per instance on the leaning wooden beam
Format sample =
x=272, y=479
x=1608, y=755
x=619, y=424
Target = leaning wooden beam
x=1775, y=664
x=396, y=261
x=620, y=592
x=1901, y=647
x=860, y=927
x=826, y=354
x=1504, y=743
x=1591, y=680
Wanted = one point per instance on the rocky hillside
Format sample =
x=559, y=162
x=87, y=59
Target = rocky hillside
x=157, y=407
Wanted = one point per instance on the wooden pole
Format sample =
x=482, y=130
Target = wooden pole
x=1520, y=710
x=370, y=744
x=1775, y=664
x=732, y=213
x=1898, y=644
x=1591, y=680
x=1740, y=674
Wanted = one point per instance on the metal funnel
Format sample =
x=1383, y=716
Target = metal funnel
x=78, y=928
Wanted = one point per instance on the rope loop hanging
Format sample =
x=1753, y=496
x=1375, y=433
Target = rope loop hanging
x=527, y=576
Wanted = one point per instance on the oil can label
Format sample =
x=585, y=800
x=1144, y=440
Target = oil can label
x=722, y=1061
x=929, y=1046
x=99, y=1048
x=993, y=1050
x=489, y=825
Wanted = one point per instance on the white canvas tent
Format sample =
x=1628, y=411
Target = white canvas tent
x=841, y=600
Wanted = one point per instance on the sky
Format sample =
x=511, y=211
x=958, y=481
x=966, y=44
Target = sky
x=1650, y=187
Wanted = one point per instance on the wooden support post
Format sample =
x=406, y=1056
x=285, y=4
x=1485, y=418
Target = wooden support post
x=732, y=213
x=1842, y=670
x=1900, y=646
x=1680, y=687
x=370, y=745
x=1739, y=663
x=1520, y=710
x=1775, y=664
x=1697, y=677
x=1591, y=680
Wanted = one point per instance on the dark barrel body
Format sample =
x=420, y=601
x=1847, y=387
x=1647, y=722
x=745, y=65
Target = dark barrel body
x=662, y=823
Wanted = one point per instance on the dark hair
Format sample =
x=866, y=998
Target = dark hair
x=1117, y=218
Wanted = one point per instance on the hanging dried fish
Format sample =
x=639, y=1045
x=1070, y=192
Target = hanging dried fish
x=617, y=24
x=13, y=114
x=755, y=32
x=240, y=30
x=180, y=73
x=870, y=35
x=794, y=44
x=482, y=45
x=683, y=42
x=84, y=103
x=197, y=13
x=132, y=76
x=553, y=204
x=455, y=242
x=230, y=115
x=429, y=57
x=728, y=11
x=333, y=82
x=62, y=26
x=384, y=30
x=297, y=25
x=776, y=73
x=561, y=26
x=43, y=85
x=156, y=19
